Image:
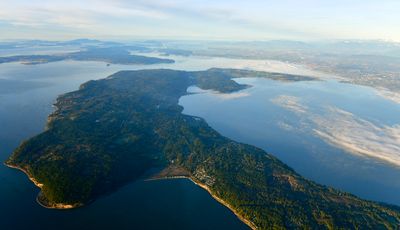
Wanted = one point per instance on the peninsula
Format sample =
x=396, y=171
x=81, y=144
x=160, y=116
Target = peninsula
x=111, y=131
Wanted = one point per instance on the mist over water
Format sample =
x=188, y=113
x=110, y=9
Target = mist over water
x=262, y=115
x=327, y=135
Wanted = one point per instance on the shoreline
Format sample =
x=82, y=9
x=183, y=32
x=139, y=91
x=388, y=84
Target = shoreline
x=59, y=206
x=34, y=181
x=219, y=200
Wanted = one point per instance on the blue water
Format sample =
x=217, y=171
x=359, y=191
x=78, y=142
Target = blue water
x=167, y=204
x=27, y=94
x=255, y=119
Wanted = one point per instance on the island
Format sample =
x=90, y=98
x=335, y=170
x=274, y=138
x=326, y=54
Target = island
x=113, y=131
x=113, y=55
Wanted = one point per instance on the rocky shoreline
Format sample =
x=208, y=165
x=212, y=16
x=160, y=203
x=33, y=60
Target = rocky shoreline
x=41, y=199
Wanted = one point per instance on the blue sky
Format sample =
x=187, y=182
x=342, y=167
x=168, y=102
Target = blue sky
x=201, y=19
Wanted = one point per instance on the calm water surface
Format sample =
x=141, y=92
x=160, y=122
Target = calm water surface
x=26, y=97
x=259, y=115
x=282, y=118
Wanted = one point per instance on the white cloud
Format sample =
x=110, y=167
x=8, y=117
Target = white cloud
x=43, y=16
x=221, y=96
x=291, y=103
x=285, y=126
x=388, y=94
x=223, y=19
x=344, y=130
x=73, y=14
x=231, y=96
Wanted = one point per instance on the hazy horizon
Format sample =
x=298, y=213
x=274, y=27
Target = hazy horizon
x=255, y=20
x=143, y=39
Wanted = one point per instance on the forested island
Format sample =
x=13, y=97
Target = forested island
x=113, y=55
x=112, y=131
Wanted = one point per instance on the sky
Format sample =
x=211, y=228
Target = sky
x=200, y=19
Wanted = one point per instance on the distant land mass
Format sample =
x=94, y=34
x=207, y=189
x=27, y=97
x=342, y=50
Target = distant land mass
x=113, y=55
x=113, y=131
